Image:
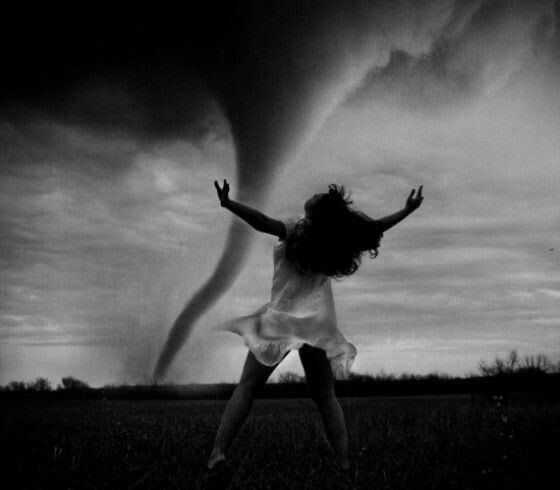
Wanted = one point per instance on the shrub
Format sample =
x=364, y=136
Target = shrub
x=531, y=364
x=71, y=383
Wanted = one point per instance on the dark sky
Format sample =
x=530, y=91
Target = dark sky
x=115, y=68
x=152, y=64
x=115, y=121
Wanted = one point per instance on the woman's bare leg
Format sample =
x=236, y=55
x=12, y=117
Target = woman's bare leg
x=253, y=376
x=320, y=380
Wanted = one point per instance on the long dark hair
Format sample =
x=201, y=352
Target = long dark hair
x=333, y=241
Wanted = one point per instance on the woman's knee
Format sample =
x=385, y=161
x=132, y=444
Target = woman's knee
x=249, y=387
x=320, y=383
x=254, y=374
x=321, y=391
x=318, y=373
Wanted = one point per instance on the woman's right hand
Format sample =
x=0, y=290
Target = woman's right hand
x=223, y=192
x=413, y=202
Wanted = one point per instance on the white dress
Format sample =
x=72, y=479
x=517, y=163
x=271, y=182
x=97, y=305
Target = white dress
x=300, y=311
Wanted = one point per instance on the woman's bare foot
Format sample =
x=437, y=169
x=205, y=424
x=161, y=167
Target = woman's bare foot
x=214, y=460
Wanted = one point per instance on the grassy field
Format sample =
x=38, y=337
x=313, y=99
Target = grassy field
x=442, y=442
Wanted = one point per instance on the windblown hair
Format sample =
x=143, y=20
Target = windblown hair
x=333, y=241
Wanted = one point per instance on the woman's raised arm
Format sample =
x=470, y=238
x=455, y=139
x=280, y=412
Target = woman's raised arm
x=412, y=203
x=256, y=219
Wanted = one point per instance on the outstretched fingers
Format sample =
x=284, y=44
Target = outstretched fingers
x=225, y=186
x=418, y=193
x=222, y=192
x=413, y=201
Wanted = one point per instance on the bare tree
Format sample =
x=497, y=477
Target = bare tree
x=537, y=364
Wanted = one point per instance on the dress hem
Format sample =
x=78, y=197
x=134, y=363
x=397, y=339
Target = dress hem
x=341, y=355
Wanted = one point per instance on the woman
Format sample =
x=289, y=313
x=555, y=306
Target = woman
x=327, y=242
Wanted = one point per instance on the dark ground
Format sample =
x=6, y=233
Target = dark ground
x=436, y=442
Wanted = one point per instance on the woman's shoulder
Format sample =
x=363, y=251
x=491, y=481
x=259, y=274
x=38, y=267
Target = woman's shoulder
x=293, y=220
x=290, y=224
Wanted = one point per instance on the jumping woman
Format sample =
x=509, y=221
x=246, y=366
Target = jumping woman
x=327, y=242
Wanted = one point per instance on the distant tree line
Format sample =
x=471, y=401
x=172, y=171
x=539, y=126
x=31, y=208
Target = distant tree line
x=512, y=364
x=512, y=368
x=67, y=383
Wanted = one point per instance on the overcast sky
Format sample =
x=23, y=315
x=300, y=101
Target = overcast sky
x=107, y=228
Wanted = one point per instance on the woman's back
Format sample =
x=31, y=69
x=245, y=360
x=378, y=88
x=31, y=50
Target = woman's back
x=292, y=291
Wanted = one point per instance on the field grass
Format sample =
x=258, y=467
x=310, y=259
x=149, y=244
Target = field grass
x=438, y=442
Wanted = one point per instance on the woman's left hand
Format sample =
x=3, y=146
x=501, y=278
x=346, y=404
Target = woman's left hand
x=413, y=202
x=223, y=193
